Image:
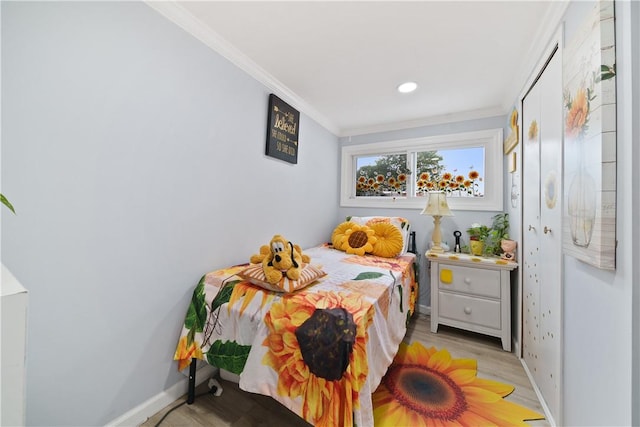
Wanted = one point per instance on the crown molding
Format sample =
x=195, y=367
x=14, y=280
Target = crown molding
x=428, y=121
x=177, y=14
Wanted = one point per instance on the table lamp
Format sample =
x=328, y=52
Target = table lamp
x=437, y=207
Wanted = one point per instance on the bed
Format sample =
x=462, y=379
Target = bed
x=320, y=351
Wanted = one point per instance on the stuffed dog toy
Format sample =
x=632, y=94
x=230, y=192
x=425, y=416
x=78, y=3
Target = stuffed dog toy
x=280, y=258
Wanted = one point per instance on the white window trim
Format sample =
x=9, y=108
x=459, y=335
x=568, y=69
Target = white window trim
x=490, y=139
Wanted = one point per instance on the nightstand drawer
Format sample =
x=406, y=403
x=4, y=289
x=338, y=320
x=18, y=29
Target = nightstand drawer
x=471, y=310
x=470, y=280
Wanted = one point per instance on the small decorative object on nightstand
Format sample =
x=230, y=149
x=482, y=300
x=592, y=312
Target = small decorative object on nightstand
x=457, y=248
x=508, y=249
x=437, y=207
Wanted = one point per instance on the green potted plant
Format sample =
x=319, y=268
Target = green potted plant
x=499, y=231
x=477, y=235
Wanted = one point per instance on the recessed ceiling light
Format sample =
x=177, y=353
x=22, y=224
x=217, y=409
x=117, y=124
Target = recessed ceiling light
x=407, y=87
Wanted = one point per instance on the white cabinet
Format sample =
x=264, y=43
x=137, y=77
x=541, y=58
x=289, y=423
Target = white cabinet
x=14, y=333
x=472, y=293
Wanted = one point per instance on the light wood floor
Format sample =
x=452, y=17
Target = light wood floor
x=237, y=408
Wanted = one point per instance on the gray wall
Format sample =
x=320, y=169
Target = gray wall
x=134, y=156
x=421, y=224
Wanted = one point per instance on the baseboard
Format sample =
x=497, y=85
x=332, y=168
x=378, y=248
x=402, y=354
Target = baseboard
x=543, y=403
x=424, y=309
x=142, y=412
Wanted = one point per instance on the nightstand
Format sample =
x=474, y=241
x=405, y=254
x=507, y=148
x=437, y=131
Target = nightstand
x=472, y=293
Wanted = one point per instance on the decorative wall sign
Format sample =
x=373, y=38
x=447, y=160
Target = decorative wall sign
x=513, y=138
x=589, y=70
x=282, y=130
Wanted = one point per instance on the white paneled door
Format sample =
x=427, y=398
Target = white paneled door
x=541, y=221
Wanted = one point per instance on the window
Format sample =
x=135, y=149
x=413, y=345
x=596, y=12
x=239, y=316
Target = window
x=467, y=166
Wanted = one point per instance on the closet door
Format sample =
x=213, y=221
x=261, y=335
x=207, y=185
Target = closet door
x=551, y=134
x=531, y=225
x=542, y=246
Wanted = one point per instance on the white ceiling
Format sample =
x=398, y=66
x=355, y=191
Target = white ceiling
x=341, y=61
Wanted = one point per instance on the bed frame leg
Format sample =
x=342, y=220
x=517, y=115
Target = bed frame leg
x=191, y=394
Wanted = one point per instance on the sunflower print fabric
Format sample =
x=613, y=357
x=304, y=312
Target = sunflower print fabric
x=330, y=392
x=319, y=350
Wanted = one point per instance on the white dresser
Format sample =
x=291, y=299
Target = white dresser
x=14, y=340
x=472, y=293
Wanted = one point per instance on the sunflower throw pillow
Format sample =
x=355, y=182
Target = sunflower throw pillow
x=389, y=240
x=402, y=224
x=339, y=233
x=358, y=239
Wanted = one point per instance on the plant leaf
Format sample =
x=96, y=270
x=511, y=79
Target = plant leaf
x=191, y=336
x=607, y=76
x=228, y=355
x=224, y=295
x=197, y=311
x=368, y=275
x=7, y=203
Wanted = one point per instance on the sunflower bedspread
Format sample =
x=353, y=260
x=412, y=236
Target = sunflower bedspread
x=320, y=351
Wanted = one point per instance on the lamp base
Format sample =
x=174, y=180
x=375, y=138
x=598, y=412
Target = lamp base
x=436, y=249
x=436, y=236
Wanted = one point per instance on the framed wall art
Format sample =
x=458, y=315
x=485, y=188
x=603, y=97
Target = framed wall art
x=513, y=138
x=589, y=92
x=283, y=125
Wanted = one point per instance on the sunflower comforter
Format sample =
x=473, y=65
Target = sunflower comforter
x=320, y=351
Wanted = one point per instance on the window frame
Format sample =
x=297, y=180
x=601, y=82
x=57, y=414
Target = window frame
x=490, y=140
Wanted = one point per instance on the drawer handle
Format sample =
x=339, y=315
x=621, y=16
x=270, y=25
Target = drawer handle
x=467, y=280
x=467, y=310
